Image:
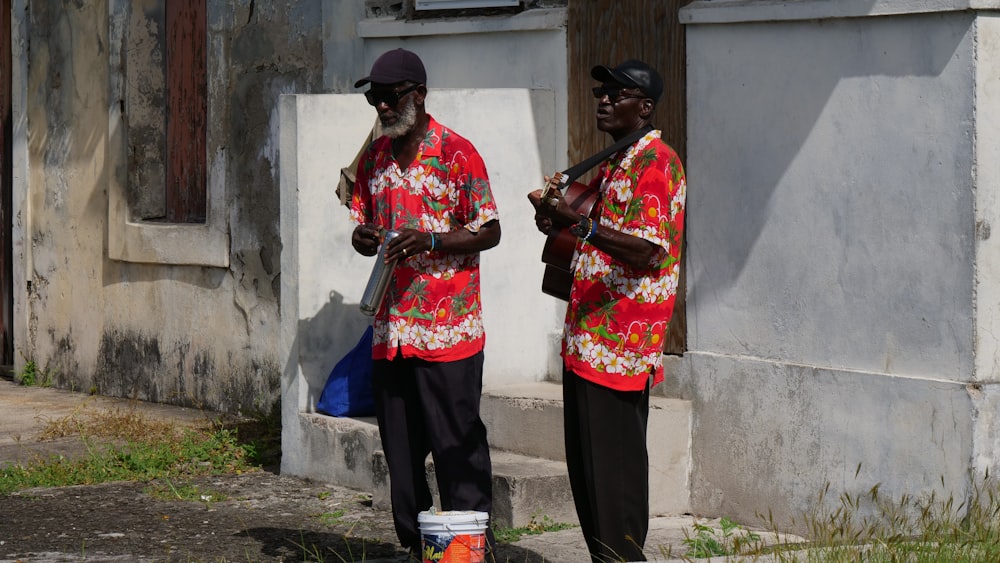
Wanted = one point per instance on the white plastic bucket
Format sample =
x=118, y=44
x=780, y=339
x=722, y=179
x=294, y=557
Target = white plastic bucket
x=454, y=536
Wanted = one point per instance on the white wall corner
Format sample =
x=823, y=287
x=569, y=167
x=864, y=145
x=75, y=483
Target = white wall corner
x=985, y=401
x=986, y=170
x=293, y=390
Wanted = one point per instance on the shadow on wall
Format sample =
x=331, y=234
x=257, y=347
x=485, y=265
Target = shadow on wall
x=733, y=117
x=325, y=338
x=816, y=158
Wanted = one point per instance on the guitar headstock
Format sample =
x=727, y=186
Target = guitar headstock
x=557, y=182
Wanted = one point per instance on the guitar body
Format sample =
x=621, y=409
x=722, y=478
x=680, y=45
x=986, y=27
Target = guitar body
x=557, y=255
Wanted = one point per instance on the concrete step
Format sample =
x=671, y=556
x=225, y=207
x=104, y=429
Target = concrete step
x=335, y=450
x=527, y=419
x=525, y=428
x=525, y=489
x=348, y=452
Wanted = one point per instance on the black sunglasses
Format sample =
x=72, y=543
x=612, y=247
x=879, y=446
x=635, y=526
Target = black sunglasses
x=388, y=97
x=614, y=94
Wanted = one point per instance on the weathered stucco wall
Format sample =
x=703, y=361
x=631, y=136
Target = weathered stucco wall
x=836, y=252
x=184, y=334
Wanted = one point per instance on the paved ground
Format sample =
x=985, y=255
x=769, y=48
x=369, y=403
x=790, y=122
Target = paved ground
x=269, y=505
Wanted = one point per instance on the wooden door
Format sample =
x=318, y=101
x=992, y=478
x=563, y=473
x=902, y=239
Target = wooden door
x=6, y=182
x=609, y=32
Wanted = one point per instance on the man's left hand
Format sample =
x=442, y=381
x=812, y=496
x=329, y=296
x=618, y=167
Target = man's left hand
x=553, y=208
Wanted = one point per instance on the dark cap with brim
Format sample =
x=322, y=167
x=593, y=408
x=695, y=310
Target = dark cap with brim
x=632, y=74
x=398, y=65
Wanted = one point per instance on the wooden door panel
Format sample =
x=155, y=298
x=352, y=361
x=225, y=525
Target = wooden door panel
x=610, y=32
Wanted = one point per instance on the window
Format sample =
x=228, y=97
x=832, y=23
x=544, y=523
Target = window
x=165, y=110
x=167, y=190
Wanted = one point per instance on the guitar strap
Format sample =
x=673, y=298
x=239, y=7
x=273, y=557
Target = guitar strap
x=577, y=170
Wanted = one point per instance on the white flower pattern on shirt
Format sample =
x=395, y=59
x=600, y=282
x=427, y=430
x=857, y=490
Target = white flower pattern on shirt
x=618, y=316
x=432, y=309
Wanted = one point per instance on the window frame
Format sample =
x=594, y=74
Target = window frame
x=154, y=242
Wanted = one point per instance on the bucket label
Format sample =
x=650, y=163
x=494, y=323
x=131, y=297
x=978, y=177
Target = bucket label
x=461, y=548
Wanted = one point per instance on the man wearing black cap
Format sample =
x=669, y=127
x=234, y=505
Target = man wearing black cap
x=430, y=185
x=626, y=270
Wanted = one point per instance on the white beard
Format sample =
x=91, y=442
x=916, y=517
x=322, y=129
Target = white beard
x=407, y=119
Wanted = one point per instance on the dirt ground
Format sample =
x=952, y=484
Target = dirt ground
x=262, y=517
x=254, y=517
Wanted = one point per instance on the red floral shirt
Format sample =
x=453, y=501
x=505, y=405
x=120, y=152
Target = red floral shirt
x=432, y=309
x=617, y=316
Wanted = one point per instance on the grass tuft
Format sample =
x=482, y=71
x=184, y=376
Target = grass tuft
x=536, y=525
x=873, y=527
x=124, y=445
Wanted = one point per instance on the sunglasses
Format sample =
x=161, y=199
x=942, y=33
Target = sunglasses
x=614, y=94
x=388, y=97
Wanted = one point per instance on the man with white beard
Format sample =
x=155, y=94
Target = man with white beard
x=430, y=185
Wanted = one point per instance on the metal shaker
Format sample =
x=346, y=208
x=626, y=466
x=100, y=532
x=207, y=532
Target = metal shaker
x=378, y=282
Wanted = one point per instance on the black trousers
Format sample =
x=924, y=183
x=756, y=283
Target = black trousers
x=432, y=407
x=608, y=466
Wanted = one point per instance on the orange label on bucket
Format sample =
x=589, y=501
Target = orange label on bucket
x=463, y=548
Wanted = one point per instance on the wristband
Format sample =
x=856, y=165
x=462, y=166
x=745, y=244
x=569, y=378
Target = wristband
x=432, y=241
x=593, y=230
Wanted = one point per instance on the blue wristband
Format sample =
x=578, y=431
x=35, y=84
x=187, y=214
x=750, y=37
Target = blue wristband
x=432, y=241
x=593, y=229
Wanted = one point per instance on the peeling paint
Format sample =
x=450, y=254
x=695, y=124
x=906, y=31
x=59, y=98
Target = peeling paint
x=153, y=331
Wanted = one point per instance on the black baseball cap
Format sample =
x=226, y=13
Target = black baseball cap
x=633, y=74
x=398, y=65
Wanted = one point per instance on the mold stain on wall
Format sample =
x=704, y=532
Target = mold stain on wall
x=267, y=51
x=135, y=365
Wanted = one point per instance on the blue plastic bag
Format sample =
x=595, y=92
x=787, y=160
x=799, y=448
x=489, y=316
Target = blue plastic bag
x=348, y=389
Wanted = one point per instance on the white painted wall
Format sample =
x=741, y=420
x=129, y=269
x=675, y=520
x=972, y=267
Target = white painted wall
x=323, y=278
x=840, y=172
x=527, y=50
x=833, y=199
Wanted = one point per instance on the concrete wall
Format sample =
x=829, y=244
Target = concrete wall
x=185, y=315
x=838, y=251
x=323, y=278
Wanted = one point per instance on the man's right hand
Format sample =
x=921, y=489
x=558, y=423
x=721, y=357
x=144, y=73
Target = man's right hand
x=366, y=239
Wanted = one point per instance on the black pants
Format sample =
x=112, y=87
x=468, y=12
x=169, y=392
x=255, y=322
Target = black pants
x=432, y=407
x=608, y=466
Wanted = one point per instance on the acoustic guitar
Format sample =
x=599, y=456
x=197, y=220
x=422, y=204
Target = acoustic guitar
x=560, y=244
x=557, y=254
